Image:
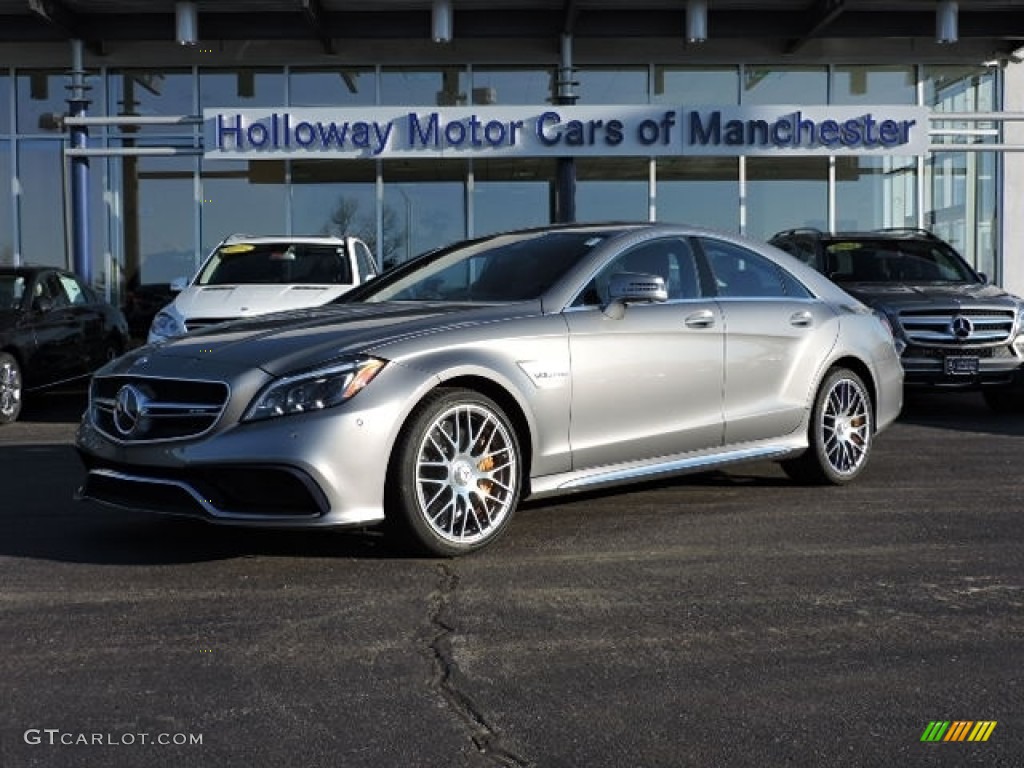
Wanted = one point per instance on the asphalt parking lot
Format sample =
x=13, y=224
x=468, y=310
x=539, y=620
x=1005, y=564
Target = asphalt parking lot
x=729, y=619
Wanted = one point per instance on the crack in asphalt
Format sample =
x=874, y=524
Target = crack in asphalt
x=448, y=679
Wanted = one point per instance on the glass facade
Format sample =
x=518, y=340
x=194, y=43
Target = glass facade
x=153, y=218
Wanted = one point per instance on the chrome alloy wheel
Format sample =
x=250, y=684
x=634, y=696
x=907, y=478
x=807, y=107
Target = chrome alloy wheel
x=466, y=474
x=846, y=426
x=10, y=389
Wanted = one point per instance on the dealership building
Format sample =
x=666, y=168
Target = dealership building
x=136, y=134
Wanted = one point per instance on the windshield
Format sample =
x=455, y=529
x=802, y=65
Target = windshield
x=899, y=261
x=511, y=267
x=276, y=263
x=12, y=289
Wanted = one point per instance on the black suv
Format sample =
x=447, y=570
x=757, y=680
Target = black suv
x=953, y=328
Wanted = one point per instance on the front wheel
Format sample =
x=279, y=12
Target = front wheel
x=10, y=389
x=839, y=434
x=455, y=476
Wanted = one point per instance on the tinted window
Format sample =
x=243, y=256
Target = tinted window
x=277, y=263
x=740, y=273
x=511, y=267
x=12, y=289
x=895, y=260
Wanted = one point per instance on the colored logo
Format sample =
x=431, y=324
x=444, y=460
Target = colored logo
x=958, y=730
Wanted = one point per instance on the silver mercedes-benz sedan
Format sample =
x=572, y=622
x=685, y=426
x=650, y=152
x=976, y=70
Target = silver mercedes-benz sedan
x=523, y=364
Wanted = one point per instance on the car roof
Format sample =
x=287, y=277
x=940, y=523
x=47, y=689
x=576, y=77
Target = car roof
x=28, y=270
x=891, y=233
x=310, y=239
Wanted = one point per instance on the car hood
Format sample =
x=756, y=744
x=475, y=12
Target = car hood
x=231, y=301
x=292, y=341
x=917, y=296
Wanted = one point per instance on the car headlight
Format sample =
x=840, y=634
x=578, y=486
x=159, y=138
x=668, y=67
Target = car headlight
x=165, y=325
x=314, y=390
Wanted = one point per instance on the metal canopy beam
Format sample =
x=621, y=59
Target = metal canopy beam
x=571, y=12
x=819, y=16
x=314, y=13
x=64, y=21
x=826, y=19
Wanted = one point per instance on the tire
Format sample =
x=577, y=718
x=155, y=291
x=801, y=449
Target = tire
x=1005, y=399
x=839, y=435
x=455, y=477
x=11, y=389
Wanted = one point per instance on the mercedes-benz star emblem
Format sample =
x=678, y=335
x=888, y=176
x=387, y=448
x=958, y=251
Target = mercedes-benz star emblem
x=961, y=327
x=129, y=409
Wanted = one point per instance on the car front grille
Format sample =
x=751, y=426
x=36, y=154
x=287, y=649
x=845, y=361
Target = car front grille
x=936, y=327
x=143, y=409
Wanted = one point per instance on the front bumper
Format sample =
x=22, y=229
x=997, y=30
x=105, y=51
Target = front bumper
x=996, y=367
x=320, y=469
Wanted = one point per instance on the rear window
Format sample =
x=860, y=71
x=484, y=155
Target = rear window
x=238, y=263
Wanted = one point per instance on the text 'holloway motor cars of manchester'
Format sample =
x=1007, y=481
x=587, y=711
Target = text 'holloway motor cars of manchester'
x=518, y=365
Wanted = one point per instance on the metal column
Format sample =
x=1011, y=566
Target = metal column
x=565, y=169
x=77, y=105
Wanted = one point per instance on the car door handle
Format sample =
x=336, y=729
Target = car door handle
x=801, y=319
x=703, y=319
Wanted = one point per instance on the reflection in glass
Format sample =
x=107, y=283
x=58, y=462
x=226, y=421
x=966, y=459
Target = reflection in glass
x=39, y=93
x=692, y=86
x=787, y=192
x=703, y=191
x=338, y=197
x=5, y=105
x=159, y=218
x=426, y=202
x=876, y=192
x=612, y=189
x=512, y=86
x=774, y=85
x=336, y=87
x=41, y=179
x=612, y=85
x=961, y=187
x=152, y=92
x=874, y=85
x=242, y=197
x=423, y=87
x=241, y=87
x=6, y=208
x=511, y=194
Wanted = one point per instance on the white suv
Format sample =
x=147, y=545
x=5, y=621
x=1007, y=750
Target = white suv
x=246, y=276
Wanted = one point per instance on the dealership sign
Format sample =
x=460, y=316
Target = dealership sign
x=562, y=131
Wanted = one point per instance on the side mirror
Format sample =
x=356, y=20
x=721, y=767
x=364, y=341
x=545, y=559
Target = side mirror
x=179, y=284
x=629, y=287
x=983, y=277
x=633, y=287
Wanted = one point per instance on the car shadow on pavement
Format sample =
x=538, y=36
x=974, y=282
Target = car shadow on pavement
x=54, y=406
x=958, y=411
x=41, y=519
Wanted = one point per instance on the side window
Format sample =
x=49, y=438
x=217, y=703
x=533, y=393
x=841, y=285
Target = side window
x=364, y=260
x=671, y=259
x=75, y=292
x=740, y=273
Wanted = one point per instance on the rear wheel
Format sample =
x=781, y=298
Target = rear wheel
x=456, y=474
x=10, y=389
x=839, y=434
x=1004, y=399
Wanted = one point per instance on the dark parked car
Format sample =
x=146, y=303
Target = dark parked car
x=954, y=328
x=53, y=328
